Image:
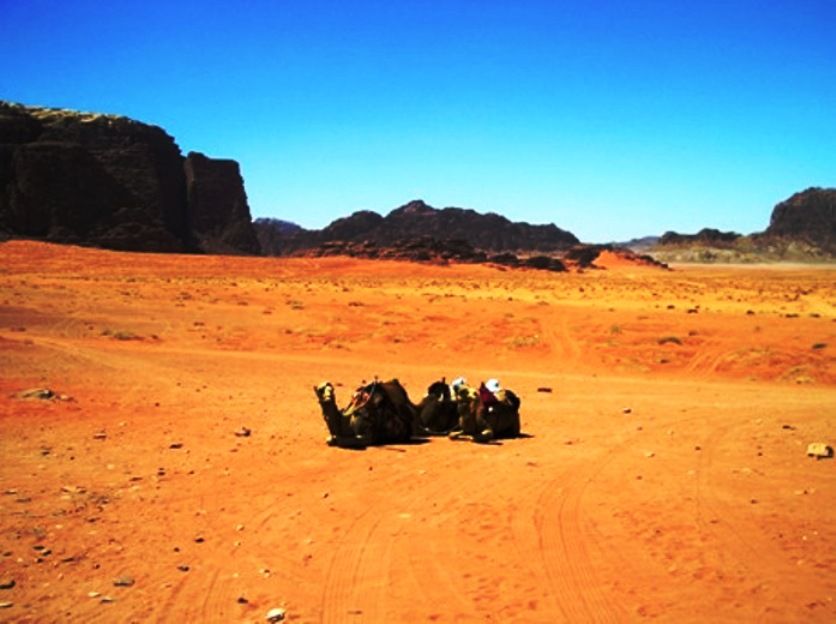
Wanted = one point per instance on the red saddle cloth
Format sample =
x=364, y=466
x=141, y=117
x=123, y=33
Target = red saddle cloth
x=486, y=397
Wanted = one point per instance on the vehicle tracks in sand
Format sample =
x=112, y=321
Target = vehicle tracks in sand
x=565, y=549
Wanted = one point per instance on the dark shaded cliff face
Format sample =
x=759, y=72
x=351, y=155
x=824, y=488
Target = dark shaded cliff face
x=218, y=213
x=809, y=215
x=416, y=220
x=107, y=181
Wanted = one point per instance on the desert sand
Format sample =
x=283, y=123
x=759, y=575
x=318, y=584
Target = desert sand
x=664, y=477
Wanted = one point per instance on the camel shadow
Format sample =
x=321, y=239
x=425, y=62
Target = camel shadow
x=350, y=445
x=492, y=441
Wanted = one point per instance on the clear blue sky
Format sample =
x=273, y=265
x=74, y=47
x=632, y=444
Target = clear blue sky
x=610, y=119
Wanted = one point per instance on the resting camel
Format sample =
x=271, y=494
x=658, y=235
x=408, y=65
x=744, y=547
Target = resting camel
x=437, y=412
x=378, y=413
x=485, y=416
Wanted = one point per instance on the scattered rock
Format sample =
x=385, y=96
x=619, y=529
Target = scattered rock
x=183, y=568
x=545, y=389
x=275, y=615
x=199, y=539
x=100, y=435
x=93, y=594
x=242, y=600
x=788, y=427
x=43, y=394
x=649, y=453
x=7, y=583
x=123, y=581
x=7, y=605
x=175, y=445
x=819, y=450
x=244, y=432
x=627, y=410
x=107, y=599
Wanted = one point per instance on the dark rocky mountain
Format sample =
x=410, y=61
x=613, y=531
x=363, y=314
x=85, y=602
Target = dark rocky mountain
x=809, y=215
x=706, y=236
x=216, y=204
x=802, y=229
x=485, y=232
x=113, y=182
x=271, y=232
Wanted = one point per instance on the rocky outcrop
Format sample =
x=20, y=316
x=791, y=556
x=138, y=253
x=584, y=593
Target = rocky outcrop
x=218, y=213
x=490, y=233
x=113, y=182
x=802, y=229
x=809, y=216
x=271, y=233
x=430, y=250
x=706, y=236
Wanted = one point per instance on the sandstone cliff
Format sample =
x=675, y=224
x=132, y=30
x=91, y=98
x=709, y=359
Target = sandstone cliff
x=113, y=182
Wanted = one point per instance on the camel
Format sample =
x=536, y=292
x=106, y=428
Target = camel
x=379, y=413
x=437, y=412
x=485, y=419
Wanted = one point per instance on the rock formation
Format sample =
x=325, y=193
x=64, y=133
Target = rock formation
x=218, y=213
x=809, y=215
x=802, y=229
x=706, y=236
x=113, y=182
x=415, y=220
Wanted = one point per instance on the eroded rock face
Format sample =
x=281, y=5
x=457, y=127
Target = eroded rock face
x=109, y=181
x=218, y=213
x=90, y=179
x=809, y=215
x=415, y=220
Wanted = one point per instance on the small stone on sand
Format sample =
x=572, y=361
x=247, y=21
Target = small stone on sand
x=275, y=615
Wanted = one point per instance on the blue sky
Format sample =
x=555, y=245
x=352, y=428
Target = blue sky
x=610, y=119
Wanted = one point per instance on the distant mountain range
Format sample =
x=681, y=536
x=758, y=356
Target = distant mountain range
x=801, y=228
x=109, y=181
x=487, y=232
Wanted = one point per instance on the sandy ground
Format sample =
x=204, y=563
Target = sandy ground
x=664, y=477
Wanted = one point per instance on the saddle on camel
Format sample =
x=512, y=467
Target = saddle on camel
x=487, y=412
x=378, y=413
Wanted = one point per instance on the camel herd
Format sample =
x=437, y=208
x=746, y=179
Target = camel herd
x=382, y=413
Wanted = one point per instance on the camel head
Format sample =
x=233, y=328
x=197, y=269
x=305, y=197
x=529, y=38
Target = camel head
x=440, y=391
x=466, y=394
x=325, y=392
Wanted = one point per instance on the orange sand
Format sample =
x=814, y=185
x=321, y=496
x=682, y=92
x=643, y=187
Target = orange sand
x=696, y=504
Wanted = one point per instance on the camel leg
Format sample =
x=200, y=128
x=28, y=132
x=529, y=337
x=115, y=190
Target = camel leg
x=483, y=431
